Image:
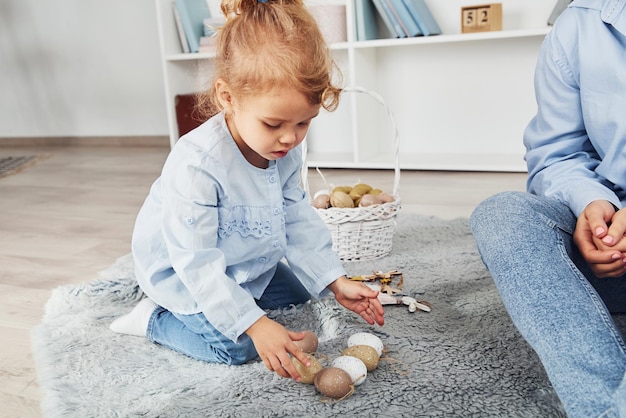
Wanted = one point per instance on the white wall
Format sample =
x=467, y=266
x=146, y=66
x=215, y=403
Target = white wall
x=80, y=68
x=93, y=68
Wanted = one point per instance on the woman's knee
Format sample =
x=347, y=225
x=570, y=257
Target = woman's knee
x=496, y=211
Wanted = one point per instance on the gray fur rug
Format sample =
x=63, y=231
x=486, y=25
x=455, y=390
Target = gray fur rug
x=463, y=359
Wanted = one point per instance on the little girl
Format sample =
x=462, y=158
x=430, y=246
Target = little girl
x=229, y=205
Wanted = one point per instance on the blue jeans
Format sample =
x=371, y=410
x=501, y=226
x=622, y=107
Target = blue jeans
x=194, y=335
x=555, y=301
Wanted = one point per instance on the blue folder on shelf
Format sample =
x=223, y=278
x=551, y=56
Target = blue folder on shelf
x=192, y=14
x=366, y=26
x=404, y=17
x=423, y=17
x=387, y=17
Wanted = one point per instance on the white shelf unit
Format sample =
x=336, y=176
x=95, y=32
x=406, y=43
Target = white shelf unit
x=460, y=101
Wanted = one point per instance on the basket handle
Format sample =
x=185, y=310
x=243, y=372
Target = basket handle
x=396, y=142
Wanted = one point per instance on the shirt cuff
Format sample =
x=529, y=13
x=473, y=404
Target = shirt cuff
x=238, y=328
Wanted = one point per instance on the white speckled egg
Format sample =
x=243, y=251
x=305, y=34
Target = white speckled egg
x=365, y=338
x=353, y=366
x=321, y=192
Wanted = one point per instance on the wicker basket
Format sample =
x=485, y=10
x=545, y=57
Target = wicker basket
x=364, y=233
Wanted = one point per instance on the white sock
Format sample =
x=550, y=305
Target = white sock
x=135, y=322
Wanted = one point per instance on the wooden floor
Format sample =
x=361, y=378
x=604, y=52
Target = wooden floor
x=71, y=214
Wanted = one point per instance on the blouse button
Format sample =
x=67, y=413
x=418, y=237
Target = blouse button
x=262, y=259
x=276, y=211
x=272, y=179
x=189, y=221
x=276, y=243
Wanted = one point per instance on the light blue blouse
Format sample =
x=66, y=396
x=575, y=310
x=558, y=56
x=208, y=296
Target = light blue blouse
x=213, y=228
x=576, y=144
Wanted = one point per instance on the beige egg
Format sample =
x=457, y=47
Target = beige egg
x=366, y=338
x=307, y=373
x=369, y=200
x=385, y=197
x=361, y=188
x=367, y=354
x=355, y=195
x=340, y=199
x=309, y=343
x=321, y=201
x=344, y=189
x=334, y=382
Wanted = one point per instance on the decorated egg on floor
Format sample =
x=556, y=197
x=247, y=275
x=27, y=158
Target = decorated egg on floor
x=309, y=343
x=307, y=373
x=334, y=382
x=368, y=355
x=354, y=366
x=365, y=338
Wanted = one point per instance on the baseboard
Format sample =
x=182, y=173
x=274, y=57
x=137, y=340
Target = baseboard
x=94, y=141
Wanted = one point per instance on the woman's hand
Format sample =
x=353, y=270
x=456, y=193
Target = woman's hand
x=359, y=299
x=274, y=343
x=599, y=236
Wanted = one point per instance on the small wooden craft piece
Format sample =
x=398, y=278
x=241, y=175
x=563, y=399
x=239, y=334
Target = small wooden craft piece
x=390, y=282
x=389, y=285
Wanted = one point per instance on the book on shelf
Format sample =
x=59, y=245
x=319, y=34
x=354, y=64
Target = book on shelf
x=192, y=14
x=387, y=17
x=179, y=28
x=404, y=18
x=424, y=18
x=187, y=118
x=211, y=25
x=558, y=9
x=366, y=26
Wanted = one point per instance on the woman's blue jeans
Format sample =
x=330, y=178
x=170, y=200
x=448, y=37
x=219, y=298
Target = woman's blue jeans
x=553, y=298
x=194, y=335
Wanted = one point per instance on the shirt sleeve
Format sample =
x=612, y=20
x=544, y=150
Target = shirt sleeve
x=560, y=158
x=309, y=242
x=190, y=229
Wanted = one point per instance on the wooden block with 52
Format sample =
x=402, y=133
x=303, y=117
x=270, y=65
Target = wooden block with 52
x=481, y=18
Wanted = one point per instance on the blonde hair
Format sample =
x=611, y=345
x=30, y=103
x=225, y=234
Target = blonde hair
x=264, y=45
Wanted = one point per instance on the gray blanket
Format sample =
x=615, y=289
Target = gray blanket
x=463, y=359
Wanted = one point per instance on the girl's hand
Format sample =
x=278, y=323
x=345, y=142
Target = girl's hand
x=602, y=247
x=274, y=343
x=359, y=299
